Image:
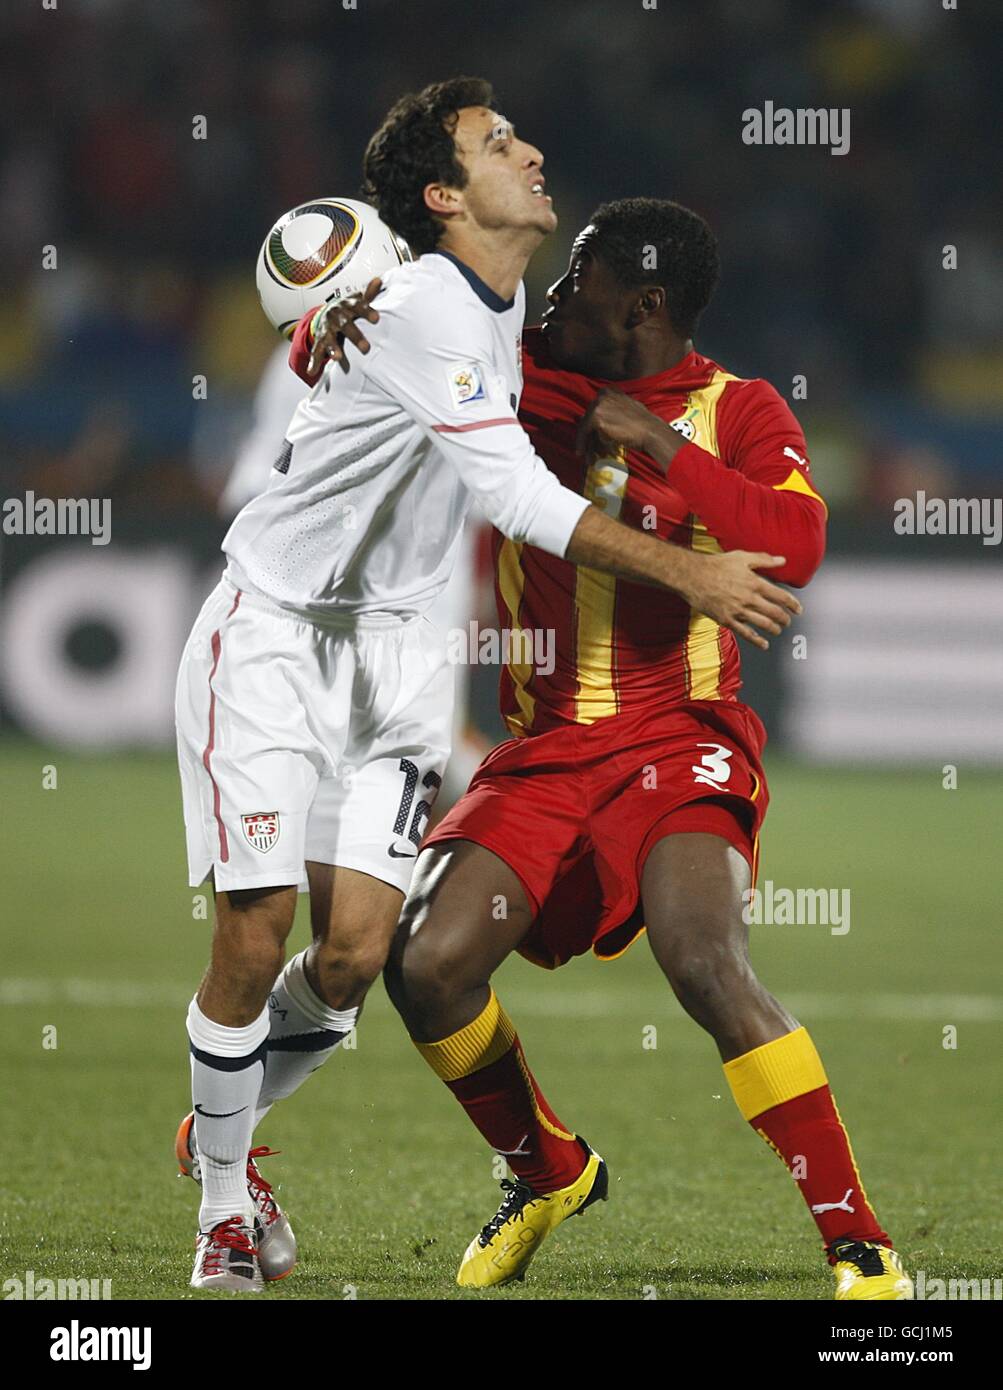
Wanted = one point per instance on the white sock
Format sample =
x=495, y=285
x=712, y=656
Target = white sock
x=303, y=1032
x=227, y=1067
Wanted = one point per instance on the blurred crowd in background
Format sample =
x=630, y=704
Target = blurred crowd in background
x=833, y=266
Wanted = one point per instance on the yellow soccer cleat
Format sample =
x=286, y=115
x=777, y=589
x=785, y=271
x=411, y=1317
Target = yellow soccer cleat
x=511, y=1238
x=867, y=1271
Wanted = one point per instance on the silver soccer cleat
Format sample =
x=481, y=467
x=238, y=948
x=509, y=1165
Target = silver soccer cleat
x=276, y=1244
x=226, y=1258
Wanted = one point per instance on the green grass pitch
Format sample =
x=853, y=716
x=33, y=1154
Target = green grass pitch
x=385, y=1180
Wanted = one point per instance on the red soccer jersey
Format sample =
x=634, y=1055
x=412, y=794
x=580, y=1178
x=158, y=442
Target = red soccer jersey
x=742, y=482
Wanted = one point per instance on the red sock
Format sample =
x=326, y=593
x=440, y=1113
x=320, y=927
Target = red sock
x=484, y=1067
x=782, y=1091
x=807, y=1133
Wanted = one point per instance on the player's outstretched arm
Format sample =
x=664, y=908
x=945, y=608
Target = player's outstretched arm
x=765, y=500
x=417, y=363
x=724, y=587
x=441, y=373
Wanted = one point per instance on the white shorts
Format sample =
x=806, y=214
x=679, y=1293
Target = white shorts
x=306, y=741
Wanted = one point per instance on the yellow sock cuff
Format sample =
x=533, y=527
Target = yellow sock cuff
x=776, y=1072
x=480, y=1043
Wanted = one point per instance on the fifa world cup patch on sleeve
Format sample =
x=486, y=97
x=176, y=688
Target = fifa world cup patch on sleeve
x=465, y=384
x=261, y=830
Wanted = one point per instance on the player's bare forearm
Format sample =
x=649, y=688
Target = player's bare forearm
x=725, y=587
x=603, y=544
x=663, y=443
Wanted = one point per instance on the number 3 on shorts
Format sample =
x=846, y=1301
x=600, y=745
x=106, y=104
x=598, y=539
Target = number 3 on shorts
x=713, y=769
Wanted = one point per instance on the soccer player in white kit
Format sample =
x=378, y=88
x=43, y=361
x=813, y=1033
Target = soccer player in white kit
x=313, y=697
x=278, y=394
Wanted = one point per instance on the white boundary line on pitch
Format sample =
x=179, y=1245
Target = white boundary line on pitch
x=562, y=1003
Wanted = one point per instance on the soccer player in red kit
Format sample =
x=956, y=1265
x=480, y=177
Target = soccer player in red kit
x=631, y=793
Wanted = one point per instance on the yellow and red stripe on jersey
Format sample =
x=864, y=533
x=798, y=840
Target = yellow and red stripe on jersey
x=618, y=646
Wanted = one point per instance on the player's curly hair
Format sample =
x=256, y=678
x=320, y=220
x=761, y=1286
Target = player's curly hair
x=414, y=147
x=651, y=241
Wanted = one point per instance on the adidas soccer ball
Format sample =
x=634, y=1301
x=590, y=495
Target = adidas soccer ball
x=322, y=250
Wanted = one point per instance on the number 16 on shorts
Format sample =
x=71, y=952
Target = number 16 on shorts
x=411, y=819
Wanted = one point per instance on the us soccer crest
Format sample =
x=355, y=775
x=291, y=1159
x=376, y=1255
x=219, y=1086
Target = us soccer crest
x=261, y=830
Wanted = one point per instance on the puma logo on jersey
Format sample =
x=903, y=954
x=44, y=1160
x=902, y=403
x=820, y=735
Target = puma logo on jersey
x=789, y=453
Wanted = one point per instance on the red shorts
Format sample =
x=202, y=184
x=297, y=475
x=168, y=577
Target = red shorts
x=575, y=811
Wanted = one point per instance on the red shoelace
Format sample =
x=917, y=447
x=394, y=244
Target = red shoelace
x=228, y=1235
x=262, y=1190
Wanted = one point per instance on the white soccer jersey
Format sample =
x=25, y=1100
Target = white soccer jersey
x=365, y=506
x=278, y=394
